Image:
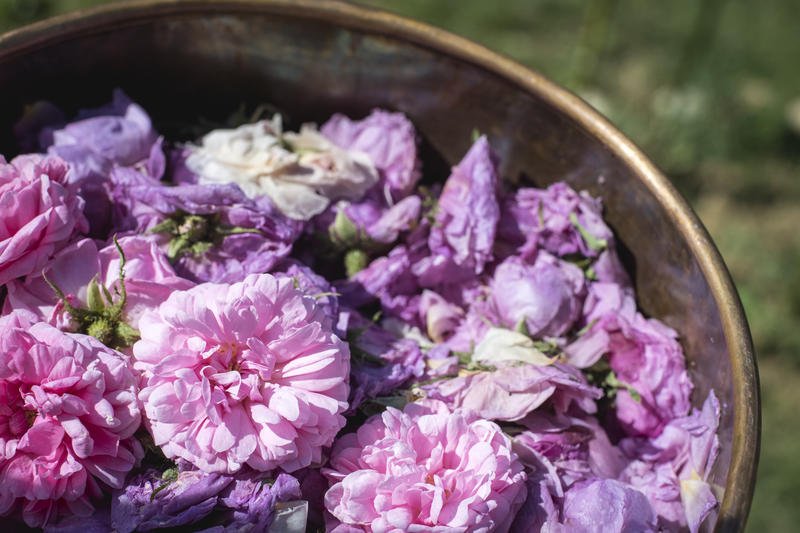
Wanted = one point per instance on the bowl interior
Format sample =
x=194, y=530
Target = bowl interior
x=181, y=60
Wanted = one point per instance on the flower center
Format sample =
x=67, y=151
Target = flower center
x=30, y=417
x=195, y=234
x=195, y=228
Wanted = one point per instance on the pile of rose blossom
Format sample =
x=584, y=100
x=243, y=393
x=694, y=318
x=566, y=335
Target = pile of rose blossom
x=264, y=329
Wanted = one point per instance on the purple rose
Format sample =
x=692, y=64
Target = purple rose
x=367, y=226
x=388, y=139
x=556, y=219
x=577, y=448
x=462, y=236
x=249, y=503
x=388, y=279
x=607, y=505
x=156, y=500
x=477, y=321
x=39, y=214
x=118, y=135
x=542, y=508
x=672, y=469
x=609, y=269
x=152, y=500
x=539, y=512
x=376, y=222
x=213, y=232
x=380, y=361
x=545, y=296
x=387, y=209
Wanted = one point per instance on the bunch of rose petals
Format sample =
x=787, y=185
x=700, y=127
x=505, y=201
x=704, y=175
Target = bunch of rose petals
x=266, y=329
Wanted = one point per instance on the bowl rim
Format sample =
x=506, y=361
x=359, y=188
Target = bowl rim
x=736, y=502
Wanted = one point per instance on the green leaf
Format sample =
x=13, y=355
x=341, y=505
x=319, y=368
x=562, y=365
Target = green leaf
x=585, y=329
x=522, y=327
x=235, y=230
x=635, y=394
x=591, y=241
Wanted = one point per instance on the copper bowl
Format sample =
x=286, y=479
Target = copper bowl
x=183, y=58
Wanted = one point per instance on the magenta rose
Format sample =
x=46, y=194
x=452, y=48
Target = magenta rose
x=68, y=412
x=644, y=355
x=39, y=213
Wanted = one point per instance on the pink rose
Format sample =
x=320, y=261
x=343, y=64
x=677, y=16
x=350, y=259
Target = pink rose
x=149, y=280
x=38, y=213
x=425, y=469
x=68, y=413
x=248, y=373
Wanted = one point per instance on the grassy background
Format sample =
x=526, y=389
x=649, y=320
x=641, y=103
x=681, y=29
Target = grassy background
x=711, y=90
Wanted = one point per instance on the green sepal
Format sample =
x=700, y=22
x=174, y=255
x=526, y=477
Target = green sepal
x=522, y=327
x=94, y=296
x=169, y=476
x=355, y=261
x=168, y=225
x=591, y=241
x=127, y=334
x=343, y=232
x=102, y=329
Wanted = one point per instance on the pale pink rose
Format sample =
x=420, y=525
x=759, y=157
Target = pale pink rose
x=39, y=214
x=248, y=373
x=68, y=412
x=513, y=390
x=425, y=468
x=149, y=280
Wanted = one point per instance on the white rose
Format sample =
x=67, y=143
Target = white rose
x=300, y=172
x=505, y=345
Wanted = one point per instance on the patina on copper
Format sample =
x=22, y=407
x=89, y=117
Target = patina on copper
x=312, y=58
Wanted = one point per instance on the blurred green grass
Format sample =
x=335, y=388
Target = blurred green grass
x=711, y=90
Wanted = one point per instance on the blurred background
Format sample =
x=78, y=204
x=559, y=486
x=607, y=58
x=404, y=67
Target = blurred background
x=711, y=90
